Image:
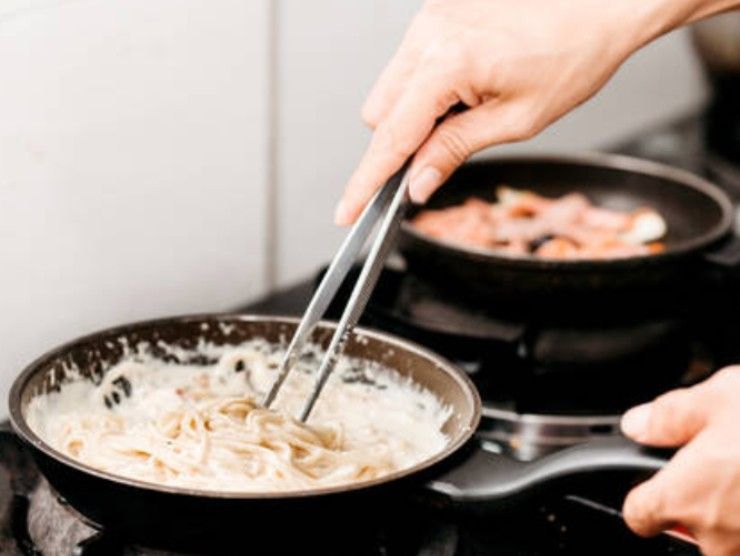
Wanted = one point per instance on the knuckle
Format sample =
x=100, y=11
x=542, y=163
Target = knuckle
x=668, y=502
x=369, y=116
x=528, y=128
x=635, y=513
x=712, y=518
x=388, y=141
x=448, y=57
x=720, y=390
x=645, y=507
x=456, y=52
x=664, y=410
x=667, y=404
x=445, y=100
x=523, y=127
x=431, y=53
x=455, y=144
x=526, y=121
x=726, y=376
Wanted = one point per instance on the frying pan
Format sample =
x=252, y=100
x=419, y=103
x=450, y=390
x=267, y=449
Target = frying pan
x=697, y=213
x=461, y=475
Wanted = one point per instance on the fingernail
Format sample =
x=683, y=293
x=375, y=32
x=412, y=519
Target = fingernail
x=635, y=421
x=424, y=183
x=341, y=214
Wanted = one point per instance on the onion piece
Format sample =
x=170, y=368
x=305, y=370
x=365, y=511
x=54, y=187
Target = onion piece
x=647, y=226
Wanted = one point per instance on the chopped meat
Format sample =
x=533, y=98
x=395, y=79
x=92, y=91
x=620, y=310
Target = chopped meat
x=568, y=227
x=470, y=223
x=558, y=248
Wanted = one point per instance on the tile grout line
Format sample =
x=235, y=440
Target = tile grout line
x=272, y=243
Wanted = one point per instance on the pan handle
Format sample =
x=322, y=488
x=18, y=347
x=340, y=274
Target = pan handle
x=487, y=479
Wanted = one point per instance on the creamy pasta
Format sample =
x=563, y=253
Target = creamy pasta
x=201, y=426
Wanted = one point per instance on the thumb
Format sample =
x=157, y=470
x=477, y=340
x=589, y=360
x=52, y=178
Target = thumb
x=460, y=136
x=670, y=420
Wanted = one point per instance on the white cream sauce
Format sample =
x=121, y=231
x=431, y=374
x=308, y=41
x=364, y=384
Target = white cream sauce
x=202, y=426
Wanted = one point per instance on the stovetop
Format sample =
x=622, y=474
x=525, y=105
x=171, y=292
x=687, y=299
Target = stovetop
x=599, y=363
x=33, y=520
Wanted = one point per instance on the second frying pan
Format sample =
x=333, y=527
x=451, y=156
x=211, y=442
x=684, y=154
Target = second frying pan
x=698, y=215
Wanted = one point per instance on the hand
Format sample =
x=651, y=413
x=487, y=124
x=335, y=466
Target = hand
x=700, y=486
x=517, y=64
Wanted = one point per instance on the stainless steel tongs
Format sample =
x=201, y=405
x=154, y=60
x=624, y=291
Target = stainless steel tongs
x=389, y=204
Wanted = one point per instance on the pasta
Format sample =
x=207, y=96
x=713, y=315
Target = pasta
x=202, y=427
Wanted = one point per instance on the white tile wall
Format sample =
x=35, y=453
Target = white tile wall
x=329, y=54
x=132, y=164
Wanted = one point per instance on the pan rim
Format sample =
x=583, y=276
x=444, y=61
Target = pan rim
x=21, y=427
x=605, y=160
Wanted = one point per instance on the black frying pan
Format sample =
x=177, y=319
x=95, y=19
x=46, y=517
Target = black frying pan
x=461, y=475
x=698, y=215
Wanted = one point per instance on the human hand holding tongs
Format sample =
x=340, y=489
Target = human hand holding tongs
x=388, y=206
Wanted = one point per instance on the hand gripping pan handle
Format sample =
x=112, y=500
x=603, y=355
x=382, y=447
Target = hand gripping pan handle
x=487, y=479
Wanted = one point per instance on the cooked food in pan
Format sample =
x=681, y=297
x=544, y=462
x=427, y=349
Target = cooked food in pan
x=201, y=426
x=525, y=223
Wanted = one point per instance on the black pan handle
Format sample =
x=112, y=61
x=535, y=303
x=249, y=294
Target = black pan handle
x=490, y=479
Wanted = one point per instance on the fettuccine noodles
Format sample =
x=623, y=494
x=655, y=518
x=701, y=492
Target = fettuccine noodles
x=202, y=427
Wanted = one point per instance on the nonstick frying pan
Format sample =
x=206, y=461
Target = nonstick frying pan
x=698, y=215
x=462, y=476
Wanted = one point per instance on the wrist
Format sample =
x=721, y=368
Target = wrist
x=642, y=21
x=701, y=9
x=657, y=17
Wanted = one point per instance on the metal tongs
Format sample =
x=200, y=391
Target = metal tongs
x=389, y=204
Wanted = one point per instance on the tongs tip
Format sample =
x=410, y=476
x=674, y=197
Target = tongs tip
x=389, y=204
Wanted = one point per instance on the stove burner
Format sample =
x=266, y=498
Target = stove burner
x=527, y=437
x=55, y=528
x=591, y=364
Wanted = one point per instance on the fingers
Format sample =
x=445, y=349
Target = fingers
x=669, y=497
x=395, y=139
x=448, y=146
x=684, y=492
x=458, y=137
x=645, y=509
x=672, y=419
x=389, y=85
x=698, y=488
